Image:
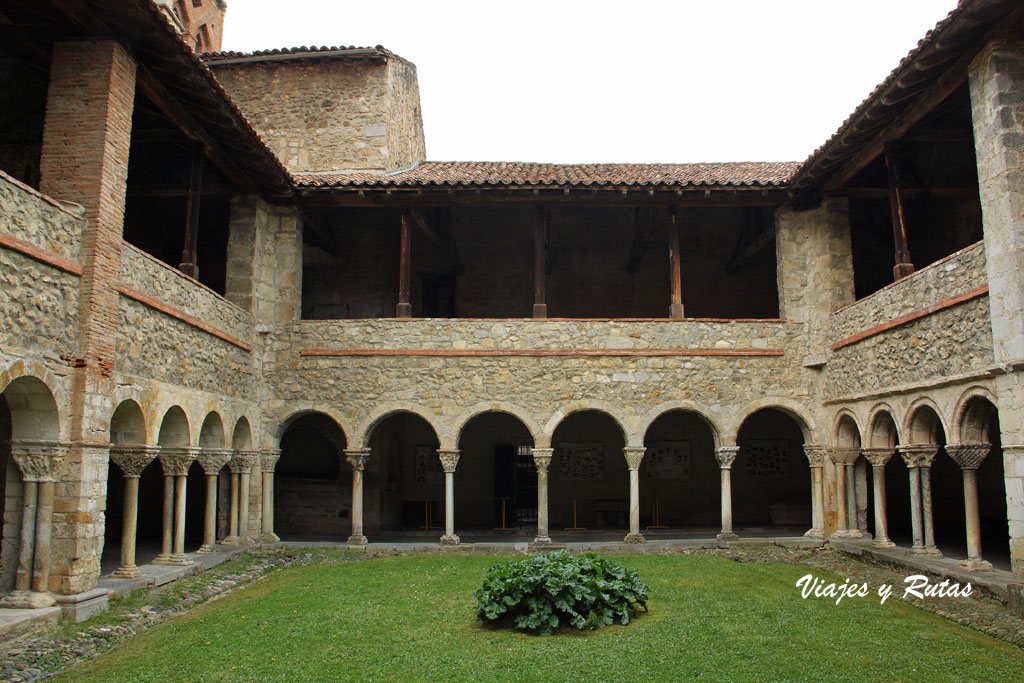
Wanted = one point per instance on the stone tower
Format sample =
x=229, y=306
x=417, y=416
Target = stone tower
x=201, y=22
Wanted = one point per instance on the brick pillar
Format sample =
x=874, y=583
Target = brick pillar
x=84, y=159
x=997, y=104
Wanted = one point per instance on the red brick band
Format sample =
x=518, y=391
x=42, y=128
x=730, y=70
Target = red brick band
x=183, y=317
x=32, y=251
x=614, y=353
x=910, y=317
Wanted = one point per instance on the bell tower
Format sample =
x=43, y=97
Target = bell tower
x=200, y=22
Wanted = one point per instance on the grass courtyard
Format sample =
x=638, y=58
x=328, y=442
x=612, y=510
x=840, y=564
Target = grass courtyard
x=413, y=618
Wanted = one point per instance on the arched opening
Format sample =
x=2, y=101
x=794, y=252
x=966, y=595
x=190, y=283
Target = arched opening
x=28, y=411
x=942, y=479
x=211, y=435
x=883, y=434
x=680, y=484
x=174, y=433
x=771, y=478
x=312, y=491
x=859, y=487
x=127, y=428
x=588, y=475
x=498, y=483
x=404, y=480
x=241, y=440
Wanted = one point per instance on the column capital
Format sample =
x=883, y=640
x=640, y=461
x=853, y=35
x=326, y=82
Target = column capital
x=918, y=455
x=133, y=458
x=357, y=457
x=844, y=455
x=175, y=460
x=634, y=456
x=879, y=456
x=39, y=460
x=815, y=454
x=268, y=459
x=968, y=455
x=542, y=458
x=213, y=459
x=242, y=462
x=726, y=456
x=449, y=459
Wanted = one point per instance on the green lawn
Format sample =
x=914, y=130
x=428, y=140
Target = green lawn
x=413, y=618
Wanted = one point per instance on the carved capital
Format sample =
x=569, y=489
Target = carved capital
x=845, y=455
x=879, y=456
x=726, y=456
x=39, y=460
x=815, y=454
x=269, y=458
x=212, y=460
x=918, y=455
x=357, y=457
x=542, y=458
x=175, y=460
x=242, y=462
x=634, y=456
x=969, y=455
x=133, y=458
x=449, y=459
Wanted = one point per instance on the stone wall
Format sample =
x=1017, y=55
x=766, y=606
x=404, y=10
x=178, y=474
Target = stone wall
x=328, y=114
x=40, y=221
x=915, y=330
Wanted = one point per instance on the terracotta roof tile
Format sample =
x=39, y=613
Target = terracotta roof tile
x=516, y=174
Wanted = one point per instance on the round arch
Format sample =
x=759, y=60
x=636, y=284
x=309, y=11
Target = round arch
x=241, y=435
x=596, y=406
x=299, y=409
x=924, y=423
x=883, y=430
x=128, y=424
x=174, y=428
x=540, y=439
x=974, y=410
x=211, y=433
x=33, y=409
x=368, y=426
x=788, y=406
x=847, y=430
x=700, y=410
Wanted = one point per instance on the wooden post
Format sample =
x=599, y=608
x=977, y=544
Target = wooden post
x=195, y=191
x=404, y=308
x=674, y=267
x=540, y=249
x=904, y=266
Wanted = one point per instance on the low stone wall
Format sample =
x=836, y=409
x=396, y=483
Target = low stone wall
x=34, y=218
x=932, y=325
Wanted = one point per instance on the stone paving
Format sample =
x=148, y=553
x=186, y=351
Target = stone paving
x=38, y=656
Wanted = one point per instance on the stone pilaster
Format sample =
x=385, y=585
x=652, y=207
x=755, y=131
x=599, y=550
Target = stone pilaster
x=212, y=460
x=634, y=456
x=268, y=461
x=357, y=458
x=969, y=457
x=449, y=461
x=542, y=461
x=726, y=456
x=878, y=457
x=132, y=460
x=816, y=460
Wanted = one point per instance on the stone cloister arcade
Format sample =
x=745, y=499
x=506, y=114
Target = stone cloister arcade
x=926, y=476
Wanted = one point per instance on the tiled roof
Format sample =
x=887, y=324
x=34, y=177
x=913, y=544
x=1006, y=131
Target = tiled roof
x=304, y=52
x=516, y=174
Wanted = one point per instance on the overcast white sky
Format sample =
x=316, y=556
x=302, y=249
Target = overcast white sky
x=630, y=81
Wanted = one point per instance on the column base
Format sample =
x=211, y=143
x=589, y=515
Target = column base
x=450, y=540
x=927, y=551
x=162, y=558
x=675, y=311
x=126, y=572
x=541, y=540
x=815, y=533
x=883, y=543
x=232, y=540
x=207, y=548
x=357, y=540
x=269, y=537
x=976, y=564
x=857, y=533
x=180, y=559
x=841, y=533
x=403, y=311
x=635, y=539
x=27, y=600
x=726, y=536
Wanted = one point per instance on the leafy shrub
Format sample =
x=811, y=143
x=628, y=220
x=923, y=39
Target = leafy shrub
x=542, y=593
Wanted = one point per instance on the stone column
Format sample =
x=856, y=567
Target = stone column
x=969, y=457
x=268, y=461
x=232, y=537
x=132, y=460
x=816, y=459
x=844, y=457
x=40, y=462
x=212, y=460
x=634, y=456
x=449, y=461
x=919, y=458
x=241, y=464
x=542, y=460
x=878, y=457
x=726, y=455
x=175, y=461
x=357, y=458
